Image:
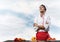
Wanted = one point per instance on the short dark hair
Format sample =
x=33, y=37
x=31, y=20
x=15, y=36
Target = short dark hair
x=44, y=7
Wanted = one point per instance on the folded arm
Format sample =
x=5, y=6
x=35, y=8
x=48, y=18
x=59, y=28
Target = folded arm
x=39, y=26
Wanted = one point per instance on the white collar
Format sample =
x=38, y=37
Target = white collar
x=42, y=16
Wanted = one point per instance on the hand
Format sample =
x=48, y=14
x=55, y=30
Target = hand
x=35, y=24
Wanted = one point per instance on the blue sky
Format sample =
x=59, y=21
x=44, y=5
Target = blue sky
x=17, y=16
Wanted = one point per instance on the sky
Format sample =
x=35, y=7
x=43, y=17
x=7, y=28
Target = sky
x=17, y=18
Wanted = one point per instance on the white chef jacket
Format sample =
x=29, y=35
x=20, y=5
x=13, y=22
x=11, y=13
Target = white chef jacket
x=42, y=21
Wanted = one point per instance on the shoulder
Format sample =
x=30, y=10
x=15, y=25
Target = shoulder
x=36, y=17
x=47, y=16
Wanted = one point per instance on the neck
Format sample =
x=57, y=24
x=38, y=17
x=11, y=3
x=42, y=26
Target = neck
x=41, y=14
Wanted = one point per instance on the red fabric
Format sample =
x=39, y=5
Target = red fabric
x=42, y=36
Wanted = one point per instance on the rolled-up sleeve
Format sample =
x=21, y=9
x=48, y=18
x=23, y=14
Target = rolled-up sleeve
x=35, y=20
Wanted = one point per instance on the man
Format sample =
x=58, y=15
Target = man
x=42, y=23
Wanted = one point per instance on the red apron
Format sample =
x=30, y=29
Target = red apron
x=42, y=35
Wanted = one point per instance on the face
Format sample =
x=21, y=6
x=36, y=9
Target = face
x=42, y=10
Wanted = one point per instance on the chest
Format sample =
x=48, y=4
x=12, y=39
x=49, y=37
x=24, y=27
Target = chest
x=41, y=20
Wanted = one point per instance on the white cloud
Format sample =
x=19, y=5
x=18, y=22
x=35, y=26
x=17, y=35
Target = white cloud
x=55, y=21
x=20, y=6
x=27, y=34
x=10, y=25
x=54, y=35
x=11, y=20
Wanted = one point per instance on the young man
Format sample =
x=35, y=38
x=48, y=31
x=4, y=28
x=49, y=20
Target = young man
x=42, y=23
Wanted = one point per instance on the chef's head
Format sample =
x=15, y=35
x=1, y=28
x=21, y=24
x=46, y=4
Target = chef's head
x=42, y=9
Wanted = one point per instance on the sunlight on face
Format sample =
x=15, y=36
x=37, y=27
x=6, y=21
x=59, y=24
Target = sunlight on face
x=42, y=9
